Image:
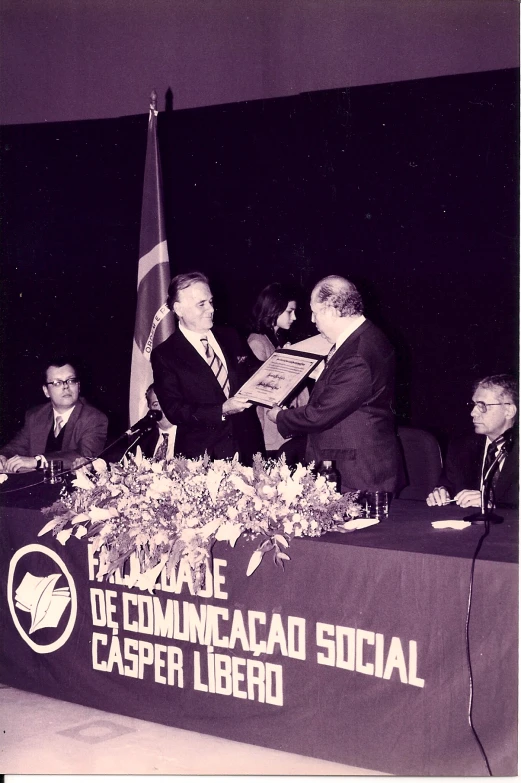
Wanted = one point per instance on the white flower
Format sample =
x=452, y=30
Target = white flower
x=161, y=484
x=98, y=514
x=213, y=481
x=289, y=490
x=228, y=532
x=288, y=527
x=82, y=481
x=63, y=536
x=285, y=472
x=241, y=485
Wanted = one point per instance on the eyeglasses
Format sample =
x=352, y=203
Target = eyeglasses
x=484, y=406
x=60, y=384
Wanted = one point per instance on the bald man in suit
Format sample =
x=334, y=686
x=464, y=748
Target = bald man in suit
x=349, y=416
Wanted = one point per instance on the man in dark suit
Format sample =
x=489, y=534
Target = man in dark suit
x=197, y=371
x=159, y=441
x=494, y=412
x=349, y=416
x=65, y=428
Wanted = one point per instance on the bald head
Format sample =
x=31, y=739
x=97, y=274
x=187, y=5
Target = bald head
x=340, y=294
x=335, y=303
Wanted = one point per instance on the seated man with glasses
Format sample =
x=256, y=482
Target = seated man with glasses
x=65, y=428
x=491, y=453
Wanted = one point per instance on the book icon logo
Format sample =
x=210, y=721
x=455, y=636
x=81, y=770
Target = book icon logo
x=45, y=602
x=45, y=592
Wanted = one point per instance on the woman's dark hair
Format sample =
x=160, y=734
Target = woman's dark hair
x=271, y=302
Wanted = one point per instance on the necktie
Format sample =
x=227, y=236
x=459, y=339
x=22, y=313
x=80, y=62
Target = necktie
x=58, y=426
x=492, y=452
x=162, y=449
x=330, y=354
x=216, y=366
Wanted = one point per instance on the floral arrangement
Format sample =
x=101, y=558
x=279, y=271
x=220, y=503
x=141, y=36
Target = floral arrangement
x=162, y=512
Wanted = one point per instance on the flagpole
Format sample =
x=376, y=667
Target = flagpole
x=154, y=321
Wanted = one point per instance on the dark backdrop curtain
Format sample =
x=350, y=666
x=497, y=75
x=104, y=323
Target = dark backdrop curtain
x=410, y=189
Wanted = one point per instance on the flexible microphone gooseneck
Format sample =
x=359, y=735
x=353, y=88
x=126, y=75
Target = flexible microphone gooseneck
x=145, y=424
x=485, y=514
x=139, y=428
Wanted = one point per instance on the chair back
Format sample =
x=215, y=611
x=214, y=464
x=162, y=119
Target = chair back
x=423, y=463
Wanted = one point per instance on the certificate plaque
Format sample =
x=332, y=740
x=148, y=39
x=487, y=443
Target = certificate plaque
x=279, y=376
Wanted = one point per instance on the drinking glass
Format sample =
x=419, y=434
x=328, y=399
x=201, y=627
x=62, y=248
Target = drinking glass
x=51, y=474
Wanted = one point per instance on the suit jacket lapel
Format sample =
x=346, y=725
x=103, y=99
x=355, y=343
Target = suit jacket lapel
x=231, y=360
x=191, y=356
x=42, y=429
x=508, y=471
x=69, y=427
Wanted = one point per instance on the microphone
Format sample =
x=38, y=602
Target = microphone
x=485, y=514
x=146, y=423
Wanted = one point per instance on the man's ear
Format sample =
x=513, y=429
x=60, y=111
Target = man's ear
x=176, y=309
x=511, y=411
x=46, y=391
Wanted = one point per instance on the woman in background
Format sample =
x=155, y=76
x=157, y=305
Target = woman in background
x=272, y=315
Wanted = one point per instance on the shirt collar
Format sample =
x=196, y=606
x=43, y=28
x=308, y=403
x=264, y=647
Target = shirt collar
x=193, y=337
x=65, y=416
x=353, y=325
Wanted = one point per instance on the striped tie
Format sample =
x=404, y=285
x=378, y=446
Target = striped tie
x=493, y=452
x=217, y=367
x=330, y=354
x=160, y=454
x=58, y=426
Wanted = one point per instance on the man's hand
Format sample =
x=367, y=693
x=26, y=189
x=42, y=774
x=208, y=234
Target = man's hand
x=3, y=463
x=438, y=497
x=468, y=497
x=236, y=404
x=16, y=464
x=272, y=413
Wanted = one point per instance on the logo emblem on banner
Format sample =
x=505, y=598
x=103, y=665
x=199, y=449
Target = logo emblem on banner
x=43, y=602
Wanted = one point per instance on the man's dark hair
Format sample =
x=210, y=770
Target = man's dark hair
x=337, y=292
x=59, y=361
x=507, y=383
x=182, y=281
x=271, y=302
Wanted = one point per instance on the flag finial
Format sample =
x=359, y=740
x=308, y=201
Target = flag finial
x=153, y=100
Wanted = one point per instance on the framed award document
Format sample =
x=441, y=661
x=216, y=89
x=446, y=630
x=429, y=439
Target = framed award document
x=279, y=376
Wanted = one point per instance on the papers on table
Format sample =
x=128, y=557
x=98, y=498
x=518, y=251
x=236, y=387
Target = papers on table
x=454, y=524
x=358, y=524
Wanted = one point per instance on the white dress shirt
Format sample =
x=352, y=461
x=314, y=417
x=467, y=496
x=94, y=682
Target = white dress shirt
x=170, y=431
x=195, y=339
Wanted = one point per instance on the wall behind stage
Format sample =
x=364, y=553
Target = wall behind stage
x=408, y=188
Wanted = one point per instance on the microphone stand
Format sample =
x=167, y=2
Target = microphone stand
x=140, y=432
x=486, y=514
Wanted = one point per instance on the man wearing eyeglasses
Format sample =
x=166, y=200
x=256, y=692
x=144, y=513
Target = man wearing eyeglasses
x=491, y=453
x=65, y=428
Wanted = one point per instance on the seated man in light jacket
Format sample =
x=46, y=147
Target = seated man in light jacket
x=65, y=428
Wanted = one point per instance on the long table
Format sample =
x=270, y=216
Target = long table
x=356, y=652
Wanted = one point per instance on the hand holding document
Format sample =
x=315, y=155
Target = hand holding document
x=278, y=377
